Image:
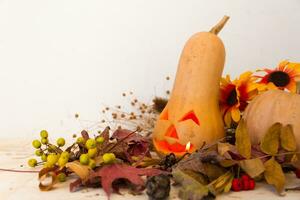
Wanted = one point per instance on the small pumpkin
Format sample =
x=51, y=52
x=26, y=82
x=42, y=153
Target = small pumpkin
x=269, y=108
x=192, y=115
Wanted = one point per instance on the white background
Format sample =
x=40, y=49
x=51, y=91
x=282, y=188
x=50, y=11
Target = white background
x=62, y=57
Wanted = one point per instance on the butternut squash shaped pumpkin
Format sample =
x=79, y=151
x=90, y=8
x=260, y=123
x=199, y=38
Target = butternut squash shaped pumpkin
x=192, y=115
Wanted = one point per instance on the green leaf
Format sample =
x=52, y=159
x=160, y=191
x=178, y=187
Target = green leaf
x=192, y=185
x=274, y=174
x=242, y=140
x=270, y=142
x=253, y=167
x=229, y=184
x=287, y=138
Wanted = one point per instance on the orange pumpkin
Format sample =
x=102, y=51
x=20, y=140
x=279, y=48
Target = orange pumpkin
x=192, y=115
x=271, y=107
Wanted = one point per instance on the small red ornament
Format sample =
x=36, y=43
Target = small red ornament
x=236, y=185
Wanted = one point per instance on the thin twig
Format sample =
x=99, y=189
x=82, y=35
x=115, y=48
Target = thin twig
x=18, y=171
x=280, y=154
x=119, y=142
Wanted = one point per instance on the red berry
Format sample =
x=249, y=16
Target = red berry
x=246, y=184
x=297, y=172
x=236, y=185
x=251, y=184
x=245, y=177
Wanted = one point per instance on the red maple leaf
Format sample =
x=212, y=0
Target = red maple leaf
x=110, y=173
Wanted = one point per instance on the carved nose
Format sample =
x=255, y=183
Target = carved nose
x=171, y=132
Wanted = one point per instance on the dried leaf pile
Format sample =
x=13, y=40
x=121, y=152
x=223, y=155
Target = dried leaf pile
x=116, y=158
x=203, y=174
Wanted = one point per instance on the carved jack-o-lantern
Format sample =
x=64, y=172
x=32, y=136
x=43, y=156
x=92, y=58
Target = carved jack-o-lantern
x=192, y=115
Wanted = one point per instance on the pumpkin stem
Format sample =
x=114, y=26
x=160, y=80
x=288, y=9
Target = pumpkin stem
x=217, y=28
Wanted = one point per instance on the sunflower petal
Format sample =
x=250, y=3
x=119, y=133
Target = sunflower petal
x=261, y=87
x=227, y=119
x=235, y=114
x=271, y=86
x=252, y=94
x=282, y=65
x=295, y=66
x=246, y=75
x=228, y=78
x=252, y=86
x=292, y=87
x=224, y=82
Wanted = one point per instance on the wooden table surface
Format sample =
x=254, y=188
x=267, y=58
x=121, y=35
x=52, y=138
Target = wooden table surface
x=24, y=186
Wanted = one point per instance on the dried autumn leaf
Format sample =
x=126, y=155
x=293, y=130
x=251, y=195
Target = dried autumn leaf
x=229, y=184
x=242, y=140
x=225, y=147
x=81, y=170
x=228, y=163
x=287, y=138
x=192, y=184
x=295, y=161
x=219, y=185
x=47, y=178
x=274, y=174
x=204, y=162
x=85, y=134
x=110, y=173
x=75, y=185
x=253, y=167
x=270, y=142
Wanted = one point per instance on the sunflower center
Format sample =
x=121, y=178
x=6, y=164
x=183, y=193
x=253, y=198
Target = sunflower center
x=279, y=78
x=232, y=98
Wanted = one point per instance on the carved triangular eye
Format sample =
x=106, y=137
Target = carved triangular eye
x=171, y=132
x=190, y=116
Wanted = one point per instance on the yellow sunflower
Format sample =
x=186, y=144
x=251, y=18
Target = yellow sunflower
x=235, y=95
x=285, y=76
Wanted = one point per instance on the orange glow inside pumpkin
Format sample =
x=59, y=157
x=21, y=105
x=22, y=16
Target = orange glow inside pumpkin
x=171, y=132
x=176, y=148
x=188, y=146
